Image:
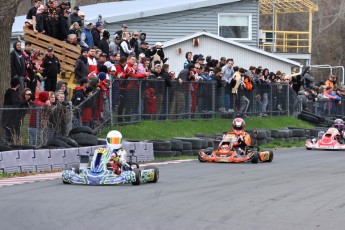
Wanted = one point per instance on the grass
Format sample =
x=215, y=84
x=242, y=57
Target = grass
x=149, y=130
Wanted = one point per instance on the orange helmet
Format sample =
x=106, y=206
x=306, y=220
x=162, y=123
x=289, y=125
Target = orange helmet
x=238, y=124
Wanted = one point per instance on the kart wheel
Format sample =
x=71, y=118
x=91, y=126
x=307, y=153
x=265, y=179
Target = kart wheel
x=307, y=148
x=137, y=177
x=255, y=158
x=271, y=156
x=156, y=171
x=200, y=158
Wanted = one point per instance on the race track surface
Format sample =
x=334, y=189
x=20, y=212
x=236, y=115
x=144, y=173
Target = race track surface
x=299, y=190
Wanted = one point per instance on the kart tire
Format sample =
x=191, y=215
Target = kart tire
x=298, y=132
x=68, y=141
x=187, y=146
x=81, y=129
x=255, y=158
x=176, y=145
x=156, y=171
x=187, y=152
x=270, y=159
x=274, y=133
x=137, y=177
x=309, y=118
x=5, y=148
x=321, y=119
x=85, y=139
x=58, y=143
x=200, y=159
x=161, y=145
x=196, y=142
x=163, y=153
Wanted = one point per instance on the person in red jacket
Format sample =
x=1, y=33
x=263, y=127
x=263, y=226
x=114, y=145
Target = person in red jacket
x=39, y=118
x=122, y=79
x=131, y=70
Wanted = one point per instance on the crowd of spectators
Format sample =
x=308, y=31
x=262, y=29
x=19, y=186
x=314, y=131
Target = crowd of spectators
x=125, y=63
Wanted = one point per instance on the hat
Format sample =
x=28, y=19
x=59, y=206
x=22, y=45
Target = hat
x=88, y=23
x=157, y=65
x=201, y=58
x=124, y=25
x=76, y=8
x=98, y=24
x=102, y=76
x=108, y=64
x=223, y=59
x=159, y=44
x=106, y=34
x=81, y=13
x=50, y=49
x=103, y=55
x=112, y=54
x=84, y=49
x=142, y=55
x=248, y=74
x=144, y=43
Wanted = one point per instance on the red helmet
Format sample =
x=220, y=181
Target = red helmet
x=238, y=124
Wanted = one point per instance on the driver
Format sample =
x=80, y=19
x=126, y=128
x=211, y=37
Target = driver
x=243, y=137
x=118, y=155
x=339, y=124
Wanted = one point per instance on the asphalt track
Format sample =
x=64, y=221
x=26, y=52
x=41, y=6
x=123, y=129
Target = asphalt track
x=299, y=190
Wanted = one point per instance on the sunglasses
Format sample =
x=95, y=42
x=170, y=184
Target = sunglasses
x=28, y=94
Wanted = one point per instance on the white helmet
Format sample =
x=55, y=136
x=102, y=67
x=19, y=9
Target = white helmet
x=114, y=140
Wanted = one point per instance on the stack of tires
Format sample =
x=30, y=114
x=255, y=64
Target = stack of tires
x=315, y=119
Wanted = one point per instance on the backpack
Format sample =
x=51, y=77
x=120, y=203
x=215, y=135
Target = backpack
x=248, y=85
x=233, y=82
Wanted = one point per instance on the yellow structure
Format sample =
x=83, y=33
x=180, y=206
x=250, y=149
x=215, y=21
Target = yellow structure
x=286, y=41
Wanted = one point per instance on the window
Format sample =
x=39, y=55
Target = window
x=235, y=26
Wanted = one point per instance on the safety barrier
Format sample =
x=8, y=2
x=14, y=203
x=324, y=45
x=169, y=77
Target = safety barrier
x=36, y=160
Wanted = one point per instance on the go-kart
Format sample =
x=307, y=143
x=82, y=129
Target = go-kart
x=331, y=139
x=229, y=153
x=100, y=172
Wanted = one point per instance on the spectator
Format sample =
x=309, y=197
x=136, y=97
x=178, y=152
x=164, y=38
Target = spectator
x=331, y=82
x=72, y=39
x=114, y=46
x=235, y=84
x=157, y=55
x=91, y=59
x=75, y=29
x=31, y=78
x=217, y=77
x=308, y=78
x=74, y=17
x=125, y=47
x=51, y=69
x=18, y=64
x=63, y=26
x=96, y=33
x=142, y=38
x=79, y=95
x=40, y=19
x=86, y=38
x=114, y=58
x=31, y=16
x=103, y=43
x=166, y=91
x=82, y=17
x=134, y=43
x=222, y=62
x=120, y=32
x=81, y=68
x=188, y=61
x=143, y=48
x=228, y=73
x=123, y=95
x=11, y=119
x=61, y=87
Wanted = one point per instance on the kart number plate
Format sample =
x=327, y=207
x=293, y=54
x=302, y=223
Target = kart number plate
x=222, y=160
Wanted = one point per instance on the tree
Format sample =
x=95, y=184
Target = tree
x=8, y=11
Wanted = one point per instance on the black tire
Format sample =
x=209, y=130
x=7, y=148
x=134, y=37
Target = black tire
x=81, y=129
x=309, y=118
x=161, y=145
x=269, y=140
x=137, y=177
x=101, y=142
x=85, y=139
x=280, y=139
x=187, y=152
x=50, y=147
x=261, y=134
x=204, y=143
x=195, y=152
x=268, y=134
x=288, y=139
x=196, y=142
x=178, y=153
x=285, y=133
x=302, y=139
x=68, y=141
x=281, y=133
x=294, y=139
x=176, y=145
x=163, y=153
x=298, y=132
x=156, y=170
x=24, y=147
x=210, y=143
x=274, y=133
x=321, y=119
x=270, y=159
x=58, y=143
x=255, y=158
x=5, y=148
x=200, y=159
x=261, y=142
x=187, y=146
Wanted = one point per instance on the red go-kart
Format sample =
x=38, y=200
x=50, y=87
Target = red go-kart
x=331, y=139
x=229, y=153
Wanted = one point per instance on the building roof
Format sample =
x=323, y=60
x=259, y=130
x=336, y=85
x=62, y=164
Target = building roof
x=253, y=49
x=127, y=10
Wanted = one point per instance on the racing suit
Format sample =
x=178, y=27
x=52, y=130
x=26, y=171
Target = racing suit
x=117, y=160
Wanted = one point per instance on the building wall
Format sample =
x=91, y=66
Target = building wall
x=242, y=57
x=162, y=28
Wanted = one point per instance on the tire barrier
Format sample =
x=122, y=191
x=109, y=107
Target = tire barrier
x=56, y=158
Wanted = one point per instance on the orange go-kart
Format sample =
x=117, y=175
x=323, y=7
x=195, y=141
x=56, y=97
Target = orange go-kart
x=229, y=152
